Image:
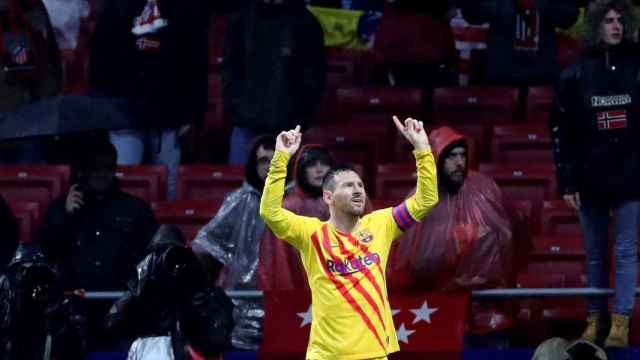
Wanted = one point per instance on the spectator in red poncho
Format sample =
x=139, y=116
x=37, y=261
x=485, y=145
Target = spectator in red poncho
x=467, y=242
x=278, y=257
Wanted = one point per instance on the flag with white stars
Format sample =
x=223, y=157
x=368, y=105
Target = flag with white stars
x=430, y=324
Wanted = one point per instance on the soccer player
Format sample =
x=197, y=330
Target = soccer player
x=345, y=257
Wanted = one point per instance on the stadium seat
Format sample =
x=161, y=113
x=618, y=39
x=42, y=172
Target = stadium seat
x=341, y=67
x=207, y=182
x=558, y=219
x=38, y=183
x=475, y=104
x=148, y=182
x=395, y=181
x=188, y=215
x=378, y=104
x=534, y=183
x=27, y=213
x=356, y=145
x=539, y=102
x=522, y=143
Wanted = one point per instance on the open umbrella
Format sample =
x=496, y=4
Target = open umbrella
x=66, y=114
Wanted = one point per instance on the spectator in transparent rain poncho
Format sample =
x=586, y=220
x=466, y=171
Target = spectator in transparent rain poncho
x=233, y=238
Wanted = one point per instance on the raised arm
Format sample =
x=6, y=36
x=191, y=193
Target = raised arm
x=426, y=196
x=285, y=224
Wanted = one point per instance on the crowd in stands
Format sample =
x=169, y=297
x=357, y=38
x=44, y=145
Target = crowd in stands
x=206, y=86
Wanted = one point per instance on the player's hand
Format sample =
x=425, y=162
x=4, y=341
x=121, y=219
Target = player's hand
x=74, y=200
x=413, y=131
x=289, y=141
x=573, y=200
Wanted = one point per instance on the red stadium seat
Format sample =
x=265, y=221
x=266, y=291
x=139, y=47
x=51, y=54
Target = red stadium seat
x=356, y=145
x=206, y=182
x=378, y=104
x=534, y=183
x=522, y=143
x=539, y=102
x=148, y=182
x=395, y=181
x=189, y=215
x=28, y=215
x=38, y=183
x=341, y=65
x=558, y=219
x=478, y=105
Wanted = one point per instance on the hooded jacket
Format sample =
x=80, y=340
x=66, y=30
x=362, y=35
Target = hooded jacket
x=232, y=237
x=171, y=295
x=595, y=126
x=465, y=243
x=280, y=266
x=34, y=311
x=274, y=68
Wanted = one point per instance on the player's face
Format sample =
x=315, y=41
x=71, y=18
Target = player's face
x=611, y=28
x=349, y=196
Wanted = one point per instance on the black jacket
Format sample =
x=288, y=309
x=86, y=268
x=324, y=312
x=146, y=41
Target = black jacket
x=168, y=88
x=595, y=128
x=27, y=320
x=510, y=66
x=274, y=68
x=97, y=247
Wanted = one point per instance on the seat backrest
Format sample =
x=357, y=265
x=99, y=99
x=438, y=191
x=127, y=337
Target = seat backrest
x=38, y=183
x=188, y=215
x=378, y=104
x=522, y=143
x=475, y=104
x=148, y=182
x=395, y=181
x=28, y=215
x=558, y=219
x=539, y=102
x=208, y=182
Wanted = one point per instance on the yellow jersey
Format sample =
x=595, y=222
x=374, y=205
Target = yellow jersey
x=351, y=317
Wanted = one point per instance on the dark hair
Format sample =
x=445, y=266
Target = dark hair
x=329, y=180
x=308, y=157
x=596, y=13
x=87, y=153
x=267, y=142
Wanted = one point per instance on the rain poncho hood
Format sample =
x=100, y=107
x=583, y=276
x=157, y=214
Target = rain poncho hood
x=465, y=243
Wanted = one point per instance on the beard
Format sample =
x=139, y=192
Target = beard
x=452, y=182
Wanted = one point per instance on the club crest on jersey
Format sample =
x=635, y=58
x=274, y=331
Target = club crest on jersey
x=364, y=236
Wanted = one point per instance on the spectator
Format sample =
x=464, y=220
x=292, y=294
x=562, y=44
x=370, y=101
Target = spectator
x=466, y=243
x=274, y=70
x=10, y=232
x=521, y=45
x=171, y=306
x=154, y=54
x=280, y=267
x=36, y=320
x=595, y=135
x=96, y=233
x=30, y=69
x=233, y=238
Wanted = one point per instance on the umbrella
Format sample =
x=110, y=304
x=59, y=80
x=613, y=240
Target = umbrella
x=66, y=114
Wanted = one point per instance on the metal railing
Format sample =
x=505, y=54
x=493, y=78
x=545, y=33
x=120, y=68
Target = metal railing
x=478, y=294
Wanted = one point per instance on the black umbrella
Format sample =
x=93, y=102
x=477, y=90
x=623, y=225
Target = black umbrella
x=66, y=114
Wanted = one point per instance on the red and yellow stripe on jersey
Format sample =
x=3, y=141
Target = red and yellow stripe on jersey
x=346, y=271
